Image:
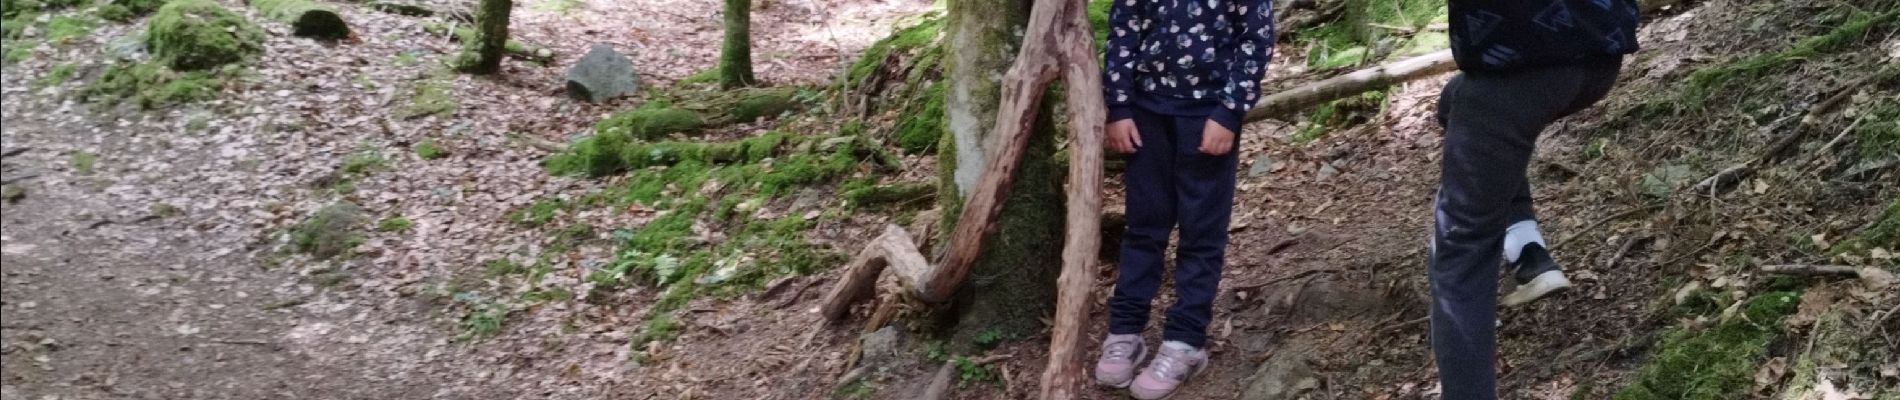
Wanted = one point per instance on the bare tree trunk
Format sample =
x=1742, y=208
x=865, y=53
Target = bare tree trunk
x=483, y=57
x=735, y=57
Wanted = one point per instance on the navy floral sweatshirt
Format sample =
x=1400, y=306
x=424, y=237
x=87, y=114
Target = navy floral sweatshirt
x=1189, y=58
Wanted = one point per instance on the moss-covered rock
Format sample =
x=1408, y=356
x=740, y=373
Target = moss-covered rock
x=910, y=38
x=192, y=35
x=609, y=153
x=332, y=231
x=126, y=10
x=152, y=85
x=306, y=18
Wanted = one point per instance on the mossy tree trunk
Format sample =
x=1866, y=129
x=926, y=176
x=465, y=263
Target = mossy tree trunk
x=735, y=57
x=483, y=56
x=1011, y=286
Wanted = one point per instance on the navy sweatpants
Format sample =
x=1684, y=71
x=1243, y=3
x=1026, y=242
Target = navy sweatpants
x=1492, y=121
x=1171, y=183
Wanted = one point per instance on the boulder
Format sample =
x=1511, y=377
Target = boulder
x=1282, y=377
x=603, y=74
x=880, y=348
x=191, y=35
x=306, y=18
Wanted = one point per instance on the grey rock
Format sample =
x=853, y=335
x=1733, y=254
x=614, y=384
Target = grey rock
x=603, y=74
x=1283, y=376
x=1262, y=166
x=129, y=47
x=1326, y=171
x=881, y=348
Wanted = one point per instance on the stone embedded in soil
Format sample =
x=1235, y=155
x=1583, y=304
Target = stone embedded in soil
x=1262, y=166
x=880, y=348
x=601, y=75
x=1283, y=376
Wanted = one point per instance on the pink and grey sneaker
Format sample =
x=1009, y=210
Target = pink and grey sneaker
x=1174, y=364
x=1119, y=355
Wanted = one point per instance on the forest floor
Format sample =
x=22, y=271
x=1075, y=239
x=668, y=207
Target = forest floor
x=154, y=253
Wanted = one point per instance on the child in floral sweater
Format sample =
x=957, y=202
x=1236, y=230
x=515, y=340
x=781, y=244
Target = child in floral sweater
x=1180, y=76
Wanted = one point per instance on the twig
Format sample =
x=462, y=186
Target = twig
x=14, y=152
x=1807, y=269
x=1593, y=226
x=1627, y=244
x=939, y=387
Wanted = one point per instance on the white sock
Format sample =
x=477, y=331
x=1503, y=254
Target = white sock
x=1178, y=345
x=1518, y=235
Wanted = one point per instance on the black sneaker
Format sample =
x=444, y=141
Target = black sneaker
x=1537, y=275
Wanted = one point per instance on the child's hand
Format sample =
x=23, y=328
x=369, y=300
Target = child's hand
x=1123, y=137
x=1216, y=140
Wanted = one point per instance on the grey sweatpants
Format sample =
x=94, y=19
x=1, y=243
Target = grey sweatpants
x=1491, y=120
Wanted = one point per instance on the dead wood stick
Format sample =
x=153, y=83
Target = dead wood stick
x=1062, y=377
x=939, y=387
x=1809, y=269
x=895, y=249
x=1725, y=179
x=1624, y=250
x=1286, y=102
x=1593, y=226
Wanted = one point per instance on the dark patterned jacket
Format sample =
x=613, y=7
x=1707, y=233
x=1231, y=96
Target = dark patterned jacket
x=1493, y=35
x=1189, y=58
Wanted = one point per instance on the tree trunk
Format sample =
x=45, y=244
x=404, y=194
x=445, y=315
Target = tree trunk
x=1011, y=285
x=483, y=56
x=735, y=58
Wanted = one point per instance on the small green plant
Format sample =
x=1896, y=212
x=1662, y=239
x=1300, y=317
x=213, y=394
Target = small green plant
x=332, y=231
x=989, y=338
x=406, y=59
x=484, y=320
x=660, y=327
x=429, y=150
x=83, y=162
x=934, y=351
x=363, y=163
x=539, y=213
x=503, y=267
x=66, y=28
x=432, y=97
x=58, y=75
x=395, y=224
x=968, y=371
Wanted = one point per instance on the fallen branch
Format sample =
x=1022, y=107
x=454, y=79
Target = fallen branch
x=1286, y=102
x=1807, y=269
x=939, y=387
x=1726, y=179
x=1624, y=250
x=1593, y=226
x=893, y=248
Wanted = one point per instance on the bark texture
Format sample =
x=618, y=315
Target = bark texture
x=735, y=57
x=1008, y=288
x=484, y=54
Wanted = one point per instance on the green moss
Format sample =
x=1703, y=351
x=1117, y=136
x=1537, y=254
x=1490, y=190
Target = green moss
x=395, y=224
x=1884, y=233
x=1879, y=133
x=58, y=75
x=898, y=195
x=1098, y=18
x=83, y=162
x=1715, y=363
x=191, y=35
x=306, y=18
x=363, y=163
x=650, y=124
x=18, y=51
x=432, y=97
x=126, y=10
x=153, y=85
x=660, y=327
x=913, y=37
x=1337, y=114
x=12, y=193
x=918, y=130
x=1705, y=82
x=65, y=28
x=1349, y=41
x=539, y=213
x=702, y=77
x=429, y=150
x=502, y=267
x=485, y=320
x=332, y=231
x=612, y=152
x=756, y=103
